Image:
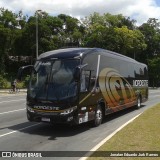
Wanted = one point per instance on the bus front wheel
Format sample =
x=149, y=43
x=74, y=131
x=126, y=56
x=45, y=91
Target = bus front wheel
x=98, y=116
x=29, y=117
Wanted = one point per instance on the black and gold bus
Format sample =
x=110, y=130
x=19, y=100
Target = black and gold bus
x=78, y=85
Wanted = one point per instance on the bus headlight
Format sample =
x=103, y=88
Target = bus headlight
x=68, y=111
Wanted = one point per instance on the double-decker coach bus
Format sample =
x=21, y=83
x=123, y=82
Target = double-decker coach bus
x=78, y=85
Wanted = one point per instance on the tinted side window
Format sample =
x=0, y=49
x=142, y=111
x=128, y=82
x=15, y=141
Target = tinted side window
x=85, y=80
x=140, y=71
x=108, y=62
x=91, y=60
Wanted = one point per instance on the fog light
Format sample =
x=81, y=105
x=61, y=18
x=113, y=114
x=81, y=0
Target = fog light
x=30, y=109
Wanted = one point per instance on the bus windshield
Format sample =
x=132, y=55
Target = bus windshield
x=53, y=80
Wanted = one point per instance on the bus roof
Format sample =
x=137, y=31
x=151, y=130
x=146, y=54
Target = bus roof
x=69, y=53
x=64, y=53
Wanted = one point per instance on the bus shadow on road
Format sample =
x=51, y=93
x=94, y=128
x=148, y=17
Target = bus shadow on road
x=49, y=130
x=60, y=130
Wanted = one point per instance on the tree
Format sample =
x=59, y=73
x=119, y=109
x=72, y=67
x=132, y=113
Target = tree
x=108, y=20
x=151, y=33
x=154, y=74
x=110, y=32
x=72, y=30
x=129, y=41
x=118, y=21
x=94, y=36
x=8, y=31
x=48, y=27
x=113, y=32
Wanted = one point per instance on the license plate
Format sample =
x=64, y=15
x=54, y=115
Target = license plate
x=45, y=119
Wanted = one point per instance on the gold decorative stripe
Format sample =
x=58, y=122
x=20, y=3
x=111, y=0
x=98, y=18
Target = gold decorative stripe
x=85, y=98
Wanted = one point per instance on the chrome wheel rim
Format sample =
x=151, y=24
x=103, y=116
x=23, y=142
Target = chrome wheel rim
x=98, y=116
x=139, y=102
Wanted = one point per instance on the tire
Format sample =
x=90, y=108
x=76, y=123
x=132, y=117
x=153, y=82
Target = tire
x=29, y=117
x=138, y=105
x=98, y=116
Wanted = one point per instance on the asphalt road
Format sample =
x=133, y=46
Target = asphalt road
x=17, y=134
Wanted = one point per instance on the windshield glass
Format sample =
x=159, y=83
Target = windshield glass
x=53, y=80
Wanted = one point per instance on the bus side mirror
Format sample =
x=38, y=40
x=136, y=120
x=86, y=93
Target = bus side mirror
x=21, y=70
x=77, y=74
x=19, y=75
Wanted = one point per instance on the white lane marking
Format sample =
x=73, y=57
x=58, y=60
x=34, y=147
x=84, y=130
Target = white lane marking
x=13, y=101
x=107, y=138
x=13, y=111
x=18, y=130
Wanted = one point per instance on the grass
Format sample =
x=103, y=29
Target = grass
x=143, y=134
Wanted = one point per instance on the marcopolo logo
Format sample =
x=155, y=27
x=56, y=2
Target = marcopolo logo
x=140, y=83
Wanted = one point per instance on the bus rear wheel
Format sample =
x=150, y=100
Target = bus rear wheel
x=138, y=102
x=98, y=116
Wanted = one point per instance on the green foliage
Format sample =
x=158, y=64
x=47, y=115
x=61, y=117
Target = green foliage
x=129, y=41
x=21, y=85
x=3, y=82
x=154, y=74
x=26, y=81
x=113, y=32
x=151, y=32
x=110, y=32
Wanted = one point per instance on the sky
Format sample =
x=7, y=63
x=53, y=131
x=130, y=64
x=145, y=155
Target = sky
x=140, y=10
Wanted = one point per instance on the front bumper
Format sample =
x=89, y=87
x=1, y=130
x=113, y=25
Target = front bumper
x=52, y=117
